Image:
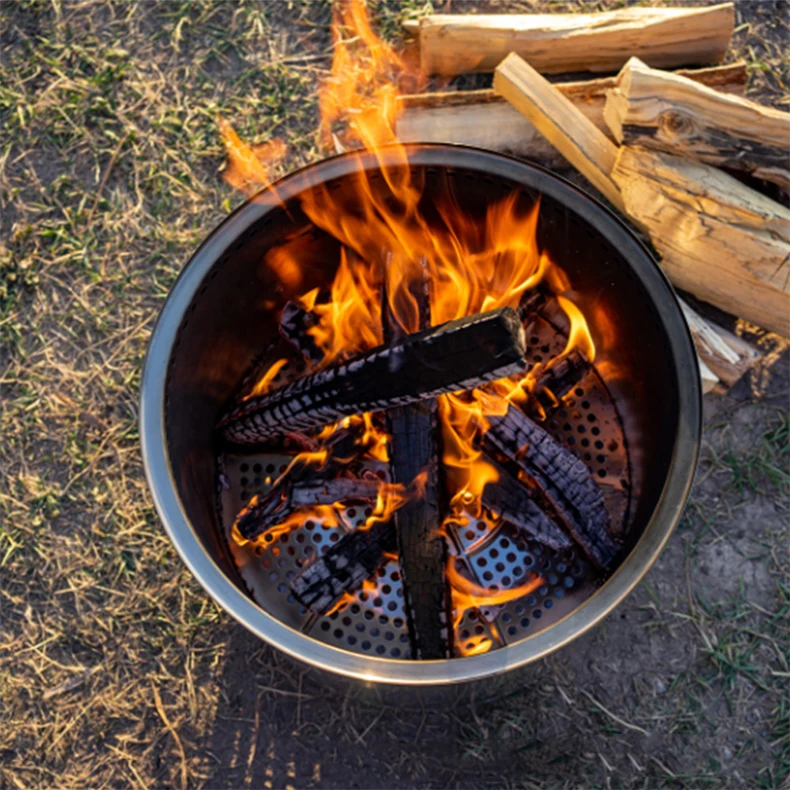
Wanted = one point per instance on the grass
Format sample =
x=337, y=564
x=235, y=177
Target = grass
x=115, y=668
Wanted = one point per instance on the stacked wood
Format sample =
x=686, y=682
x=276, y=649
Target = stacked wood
x=725, y=243
x=720, y=240
x=556, y=43
x=484, y=119
x=457, y=355
x=669, y=112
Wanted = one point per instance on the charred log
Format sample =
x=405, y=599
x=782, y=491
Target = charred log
x=456, y=355
x=288, y=496
x=512, y=501
x=422, y=551
x=352, y=560
x=555, y=382
x=561, y=477
x=295, y=322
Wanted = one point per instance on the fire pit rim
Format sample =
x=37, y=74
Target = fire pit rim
x=219, y=586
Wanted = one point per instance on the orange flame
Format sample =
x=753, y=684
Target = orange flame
x=468, y=595
x=249, y=167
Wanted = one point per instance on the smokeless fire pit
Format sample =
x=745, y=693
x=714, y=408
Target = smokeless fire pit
x=427, y=496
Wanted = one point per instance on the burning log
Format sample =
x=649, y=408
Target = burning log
x=564, y=480
x=359, y=554
x=667, y=112
x=511, y=500
x=483, y=119
x=456, y=355
x=556, y=43
x=344, y=567
x=422, y=551
x=294, y=323
x=555, y=382
x=289, y=496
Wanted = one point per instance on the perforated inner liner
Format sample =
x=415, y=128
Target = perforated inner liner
x=495, y=555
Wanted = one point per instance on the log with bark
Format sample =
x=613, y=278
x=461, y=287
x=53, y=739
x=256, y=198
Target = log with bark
x=562, y=478
x=456, y=355
x=556, y=43
x=422, y=550
x=484, y=119
x=295, y=323
x=668, y=112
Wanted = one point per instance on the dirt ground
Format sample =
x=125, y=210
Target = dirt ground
x=116, y=670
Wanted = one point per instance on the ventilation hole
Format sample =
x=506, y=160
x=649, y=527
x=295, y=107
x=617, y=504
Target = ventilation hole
x=591, y=417
x=602, y=473
x=585, y=404
x=537, y=614
x=482, y=526
x=386, y=589
x=470, y=535
x=381, y=650
x=395, y=652
x=512, y=631
x=389, y=636
x=465, y=633
x=245, y=495
x=548, y=603
x=506, y=618
x=365, y=645
x=578, y=392
x=351, y=512
x=337, y=633
x=568, y=581
x=488, y=576
x=479, y=630
x=325, y=626
x=595, y=430
x=525, y=622
x=507, y=581
x=244, y=467
x=585, y=443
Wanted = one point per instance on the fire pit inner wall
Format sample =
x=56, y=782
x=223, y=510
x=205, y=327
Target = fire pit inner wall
x=222, y=314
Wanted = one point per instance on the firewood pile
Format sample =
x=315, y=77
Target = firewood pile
x=681, y=153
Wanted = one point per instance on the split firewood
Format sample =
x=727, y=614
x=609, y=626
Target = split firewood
x=554, y=382
x=289, y=496
x=668, y=112
x=560, y=476
x=295, y=322
x=556, y=43
x=484, y=119
x=422, y=550
x=344, y=567
x=726, y=355
x=457, y=355
x=718, y=239
x=560, y=122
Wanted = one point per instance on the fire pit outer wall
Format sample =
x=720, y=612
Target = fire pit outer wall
x=219, y=317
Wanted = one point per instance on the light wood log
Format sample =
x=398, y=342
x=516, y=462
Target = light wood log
x=483, y=119
x=577, y=138
x=668, y=112
x=725, y=243
x=725, y=355
x=556, y=43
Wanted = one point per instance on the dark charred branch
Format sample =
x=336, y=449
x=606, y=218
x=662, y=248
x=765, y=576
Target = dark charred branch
x=288, y=496
x=422, y=551
x=532, y=302
x=457, y=355
x=352, y=560
x=554, y=383
x=562, y=478
x=295, y=322
x=512, y=500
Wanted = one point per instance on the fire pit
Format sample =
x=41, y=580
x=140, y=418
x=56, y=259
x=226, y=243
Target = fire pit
x=436, y=491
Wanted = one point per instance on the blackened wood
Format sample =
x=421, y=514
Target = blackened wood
x=512, y=500
x=352, y=560
x=288, y=496
x=295, y=322
x=555, y=382
x=422, y=551
x=563, y=479
x=457, y=355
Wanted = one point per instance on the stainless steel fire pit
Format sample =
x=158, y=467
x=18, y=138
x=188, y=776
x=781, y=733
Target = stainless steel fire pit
x=221, y=317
